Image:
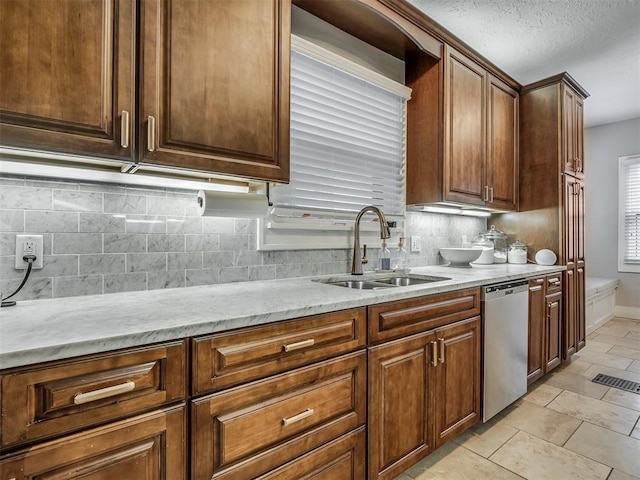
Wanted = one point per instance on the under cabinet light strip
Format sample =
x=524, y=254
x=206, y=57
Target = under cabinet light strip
x=93, y=173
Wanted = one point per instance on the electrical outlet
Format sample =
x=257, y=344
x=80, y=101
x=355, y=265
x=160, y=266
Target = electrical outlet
x=29, y=245
x=415, y=243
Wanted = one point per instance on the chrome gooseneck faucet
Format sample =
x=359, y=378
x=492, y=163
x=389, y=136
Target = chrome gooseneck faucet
x=356, y=263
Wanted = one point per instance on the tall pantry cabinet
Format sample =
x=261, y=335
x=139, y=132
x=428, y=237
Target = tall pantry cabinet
x=552, y=174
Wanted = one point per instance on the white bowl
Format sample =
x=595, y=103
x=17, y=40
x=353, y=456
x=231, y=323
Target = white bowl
x=545, y=257
x=460, y=257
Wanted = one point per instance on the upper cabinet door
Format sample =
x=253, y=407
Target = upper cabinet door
x=569, y=130
x=215, y=86
x=579, y=137
x=464, y=129
x=67, y=73
x=502, y=146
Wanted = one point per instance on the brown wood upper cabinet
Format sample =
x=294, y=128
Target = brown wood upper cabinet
x=68, y=76
x=211, y=99
x=462, y=133
x=480, y=135
x=573, y=127
x=215, y=86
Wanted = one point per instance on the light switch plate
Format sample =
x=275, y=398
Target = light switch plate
x=415, y=243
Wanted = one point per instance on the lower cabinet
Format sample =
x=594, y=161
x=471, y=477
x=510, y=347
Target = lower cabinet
x=247, y=431
x=423, y=391
x=147, y=447
x=343, y=459
x=545, y=326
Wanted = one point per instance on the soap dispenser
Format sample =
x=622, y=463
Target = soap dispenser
x=385, y=257
x=401, y=261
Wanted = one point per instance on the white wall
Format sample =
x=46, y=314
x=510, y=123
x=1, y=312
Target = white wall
x=603, y=145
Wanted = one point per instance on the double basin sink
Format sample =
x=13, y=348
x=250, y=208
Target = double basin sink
x=390, y=281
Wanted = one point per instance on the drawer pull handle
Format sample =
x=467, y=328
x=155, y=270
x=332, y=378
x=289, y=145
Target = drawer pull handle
x=434, y=354
x=441, y=356
x=107, y=392
x=296, y=418
x=298, y=345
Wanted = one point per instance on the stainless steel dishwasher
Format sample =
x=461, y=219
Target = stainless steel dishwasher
x=505, y=345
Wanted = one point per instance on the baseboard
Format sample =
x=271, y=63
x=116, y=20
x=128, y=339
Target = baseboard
x=627, y=312
x=601, y=321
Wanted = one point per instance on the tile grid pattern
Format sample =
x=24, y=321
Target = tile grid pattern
x=106, y=238
x=566, y=427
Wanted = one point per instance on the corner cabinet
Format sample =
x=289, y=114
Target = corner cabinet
x=214, y=100
x=462, y=134
x=68, y=76
x=551, y=214
x=481, y=136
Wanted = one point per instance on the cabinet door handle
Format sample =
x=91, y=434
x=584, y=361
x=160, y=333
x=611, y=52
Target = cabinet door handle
x=485, y=196
x=107, y=392
x=491, y=195
x=434, y=354
x=298, y=345
x=539, y=280
x=124, y=129
x=296, y=418
x=151, y=133
x=441, y=345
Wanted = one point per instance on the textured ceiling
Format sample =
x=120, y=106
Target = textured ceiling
x=596, y=41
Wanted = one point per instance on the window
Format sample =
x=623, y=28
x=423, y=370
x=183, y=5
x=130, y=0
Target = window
x=347, y=144
x=629, y=214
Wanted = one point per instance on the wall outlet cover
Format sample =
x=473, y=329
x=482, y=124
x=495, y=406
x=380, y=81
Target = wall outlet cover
x=29, y=244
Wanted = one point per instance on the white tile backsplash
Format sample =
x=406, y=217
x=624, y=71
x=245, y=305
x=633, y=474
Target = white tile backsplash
x=104, y=238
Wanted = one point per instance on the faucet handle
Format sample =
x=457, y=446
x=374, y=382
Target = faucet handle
x=364, y=254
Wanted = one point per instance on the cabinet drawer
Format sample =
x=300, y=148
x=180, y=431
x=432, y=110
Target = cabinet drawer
x=343, y=459
x=231, y=358
x=554, y=283
x=148, y=447
x=398, y=319
x=247, y=431
x=50, y=399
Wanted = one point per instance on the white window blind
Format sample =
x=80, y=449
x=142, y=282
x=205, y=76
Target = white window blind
x=630, y=212
x=347, y=138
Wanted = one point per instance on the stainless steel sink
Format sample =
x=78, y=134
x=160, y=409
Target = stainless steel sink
x=360, y=284
x=406, y=280
x=398, y=280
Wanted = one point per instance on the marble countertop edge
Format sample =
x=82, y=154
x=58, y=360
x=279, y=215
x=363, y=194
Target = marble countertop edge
x=76, y=326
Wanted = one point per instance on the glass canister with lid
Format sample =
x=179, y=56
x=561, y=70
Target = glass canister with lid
x=486, y=257
x=499, y=240
x=517, y=252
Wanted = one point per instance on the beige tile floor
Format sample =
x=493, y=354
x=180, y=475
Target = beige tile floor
x=566, y=427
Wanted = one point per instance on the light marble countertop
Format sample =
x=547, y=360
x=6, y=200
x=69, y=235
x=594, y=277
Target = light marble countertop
x=42, y=330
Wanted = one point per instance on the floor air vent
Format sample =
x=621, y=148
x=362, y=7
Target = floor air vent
x=616, y=382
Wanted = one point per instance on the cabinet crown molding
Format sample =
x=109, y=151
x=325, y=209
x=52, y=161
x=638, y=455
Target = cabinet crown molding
x=561, y=77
